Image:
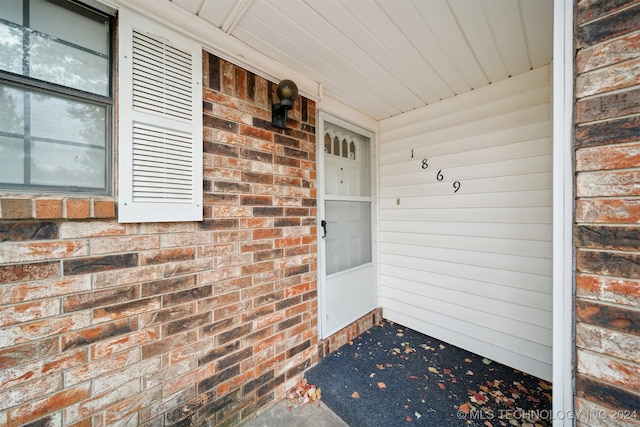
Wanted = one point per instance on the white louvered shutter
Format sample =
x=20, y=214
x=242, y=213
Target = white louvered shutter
x=160, y=123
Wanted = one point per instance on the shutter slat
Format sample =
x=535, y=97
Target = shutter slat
x=162, y=164
x=161, y=78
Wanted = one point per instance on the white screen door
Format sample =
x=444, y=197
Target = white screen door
x=347, y=284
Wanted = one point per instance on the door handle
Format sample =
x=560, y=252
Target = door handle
x=323, y=224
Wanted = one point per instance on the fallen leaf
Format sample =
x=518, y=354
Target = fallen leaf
x=488, y=424
x=447, y=371
x=441, y=347
x=465, y=407
x=355, y=395
x=442, y=386
x=545, y=386
x=379, y=366
x=486, y=361
x=382, y=385
x=413, y=377
x=417, y=415
x=350, y=342
x=432, y=369
x=409, y=418
x=468, y=360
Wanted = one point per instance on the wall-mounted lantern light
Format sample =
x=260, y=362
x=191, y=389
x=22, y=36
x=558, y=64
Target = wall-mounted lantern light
x=287, y=92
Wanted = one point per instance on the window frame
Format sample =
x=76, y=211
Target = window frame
x=37, y=86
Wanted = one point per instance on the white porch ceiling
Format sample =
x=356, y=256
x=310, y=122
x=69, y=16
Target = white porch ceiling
x=387, y=57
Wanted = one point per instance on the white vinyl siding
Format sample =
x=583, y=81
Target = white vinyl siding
x=160, y=132
x=465, y=224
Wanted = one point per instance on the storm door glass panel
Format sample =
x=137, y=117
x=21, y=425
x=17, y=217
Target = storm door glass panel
x=349, y=238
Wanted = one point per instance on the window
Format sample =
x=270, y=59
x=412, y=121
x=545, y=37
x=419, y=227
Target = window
x=55, y=97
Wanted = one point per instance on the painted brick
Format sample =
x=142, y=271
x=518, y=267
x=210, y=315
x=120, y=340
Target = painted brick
x=608, y=289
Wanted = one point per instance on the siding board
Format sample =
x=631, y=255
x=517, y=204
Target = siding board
x=472, y=267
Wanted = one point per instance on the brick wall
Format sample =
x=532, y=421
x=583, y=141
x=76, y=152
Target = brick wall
x=169, y=324
x=607, y=231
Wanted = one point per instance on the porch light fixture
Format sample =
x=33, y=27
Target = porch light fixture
x=287, y=92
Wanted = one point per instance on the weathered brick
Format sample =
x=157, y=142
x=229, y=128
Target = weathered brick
x=98, y=333
x=104, y=208
x=77, y=208
x=606, y=394
x=163, y=256
x=101, y=263
x=608, y=27
x=126, y=309
x=186, y=296
x=166, y=285
x=22, y=313
x=609, y=263
x=87, y=407
x=32, y=350
x=607, y=158
x=32, y=271
x=606, y=316
x=210, y=382
x=45, y=328
x=186, y=323
x=121, y=343
x=39, y=251
x=613, y=211
x=606, y=237
x=38, y=408
x=21, y=231
x=608, y=106
x=167, y=315
x=15, y=208
x=615, y=131
x=99, y=298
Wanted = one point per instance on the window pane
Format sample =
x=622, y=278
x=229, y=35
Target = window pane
x=11, y=110
x=62, y=64
x=64, y=165
x=10, y=49
x=11, y=10
x=78, y=26
x=11, y=160
x=71, y=121
x=62, y=141
x=348, y=240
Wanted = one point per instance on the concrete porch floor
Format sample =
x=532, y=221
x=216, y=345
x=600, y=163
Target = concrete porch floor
x=287, y=414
